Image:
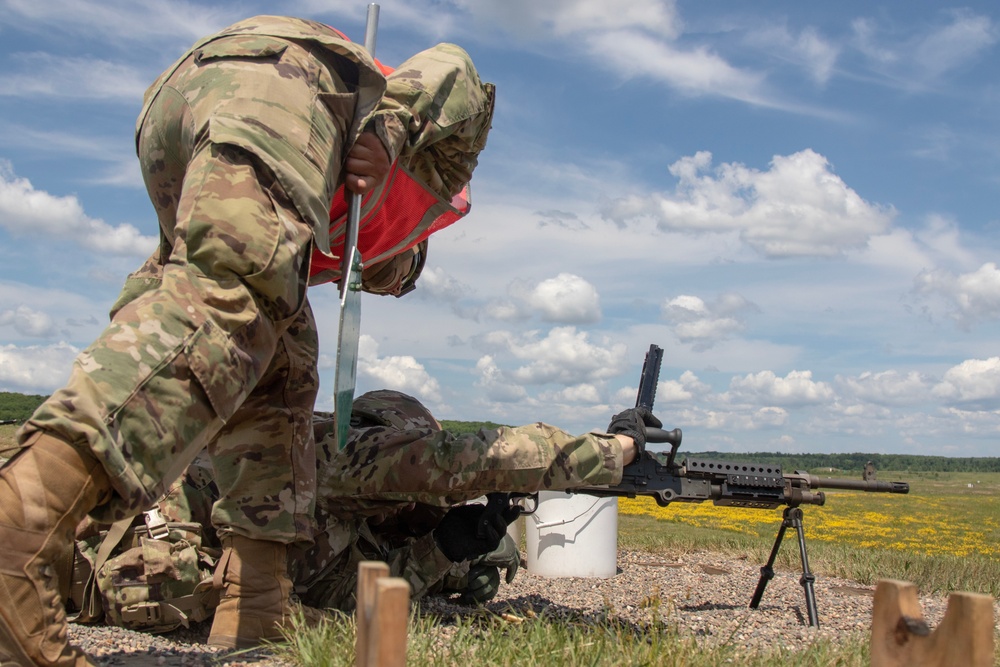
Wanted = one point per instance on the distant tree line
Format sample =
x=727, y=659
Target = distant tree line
x=18, y=407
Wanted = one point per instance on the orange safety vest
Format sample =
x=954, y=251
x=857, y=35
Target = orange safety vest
x=395, y=216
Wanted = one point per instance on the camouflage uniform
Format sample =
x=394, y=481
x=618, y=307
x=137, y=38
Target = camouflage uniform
x=212, y=342
x=380, y=497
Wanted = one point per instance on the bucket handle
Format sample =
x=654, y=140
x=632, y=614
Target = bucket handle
x=562, y=522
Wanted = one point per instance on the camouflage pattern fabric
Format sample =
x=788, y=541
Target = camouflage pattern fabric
x=213, y=342
x=381, y=497
x=436, y=115
x=153, y=573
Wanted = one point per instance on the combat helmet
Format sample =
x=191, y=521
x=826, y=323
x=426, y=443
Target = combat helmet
x=394, y=409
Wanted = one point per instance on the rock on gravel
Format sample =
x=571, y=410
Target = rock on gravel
x=703, y=593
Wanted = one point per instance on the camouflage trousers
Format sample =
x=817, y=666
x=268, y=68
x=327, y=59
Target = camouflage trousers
x=382, y=495
x=212, y=343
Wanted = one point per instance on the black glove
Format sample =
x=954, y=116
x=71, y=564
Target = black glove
x=468, y=531
x=484, y=572
x=633, y=423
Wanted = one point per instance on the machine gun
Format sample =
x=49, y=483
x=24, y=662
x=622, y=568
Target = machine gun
x=729, y=483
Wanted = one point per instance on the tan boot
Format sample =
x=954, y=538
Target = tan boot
x=45, y=490
x=254, y=604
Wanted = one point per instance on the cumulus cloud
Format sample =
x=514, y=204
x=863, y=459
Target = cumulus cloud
x=738, y=420
x=565, y=299
x=683, y=389
x=498, y=387
x=968, y=297
x=765, y=388
x=797, y=208
x=974, y=383
x=438, y=284
x=27, y=211
x=28, y=322
x=402, y=373
x=566, y=356
x=705, y=324
x=562, y=356
x=35, y=369
x=887, y=387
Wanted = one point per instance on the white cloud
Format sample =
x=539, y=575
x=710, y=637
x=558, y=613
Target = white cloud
x=566, y=356
x=697, y=71
x=974, y=383
x=969, y=297
x=681, y=390
x=795, y=389
x=28, y=322
x=26, y=211
x=888, y=387
x=47, y=75
x=565, y=299
x=498, y=387
x=120, y=21
x=921, y=59
x=953, y=45
x=808, y=49
x=798, y=208
x=35, y=368
x=736, y=421
x=586, y=394
x=570, y=17
x=702, y=324
x=402, y=373
x=562, y=356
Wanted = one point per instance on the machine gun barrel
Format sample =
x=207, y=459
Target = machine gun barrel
x=869, y=485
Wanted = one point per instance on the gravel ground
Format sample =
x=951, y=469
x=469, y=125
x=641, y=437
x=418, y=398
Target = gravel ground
x=702, y=593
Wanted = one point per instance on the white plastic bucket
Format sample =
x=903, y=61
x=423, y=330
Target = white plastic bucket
x=572, y=535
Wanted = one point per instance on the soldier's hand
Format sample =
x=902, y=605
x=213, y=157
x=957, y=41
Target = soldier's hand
x=367, y=164
x=633, y=423
x=484, y=584
x=484, y=572
x=462, y=535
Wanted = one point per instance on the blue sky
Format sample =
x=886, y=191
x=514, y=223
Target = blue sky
x=797, y=201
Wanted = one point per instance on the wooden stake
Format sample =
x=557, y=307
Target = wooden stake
x=387, y=645
x=369, y=572
x=383, y=608
x=902, y=638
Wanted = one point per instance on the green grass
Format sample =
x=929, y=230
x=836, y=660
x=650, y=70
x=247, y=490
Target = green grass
x=490, y=640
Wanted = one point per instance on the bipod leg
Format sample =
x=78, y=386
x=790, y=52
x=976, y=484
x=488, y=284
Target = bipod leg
x=792, y=518
x=767, y=572
x=794, y=514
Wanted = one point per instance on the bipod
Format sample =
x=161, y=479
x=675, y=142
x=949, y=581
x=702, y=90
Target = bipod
x=792, y=518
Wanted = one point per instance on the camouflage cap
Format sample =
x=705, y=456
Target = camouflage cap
x=394, y=409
